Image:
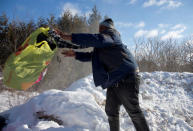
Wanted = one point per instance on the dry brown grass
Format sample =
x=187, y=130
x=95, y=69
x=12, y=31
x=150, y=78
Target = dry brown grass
x=44, y=116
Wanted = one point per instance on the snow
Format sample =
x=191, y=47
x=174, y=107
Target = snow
x=77, y=110
x=165, y=98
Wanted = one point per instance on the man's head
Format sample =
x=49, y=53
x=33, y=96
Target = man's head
x=106, y=24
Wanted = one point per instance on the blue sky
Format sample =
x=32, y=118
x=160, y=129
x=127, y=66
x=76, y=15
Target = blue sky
x=133, y=18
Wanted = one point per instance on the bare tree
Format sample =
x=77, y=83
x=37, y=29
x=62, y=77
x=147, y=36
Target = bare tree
x=170, y=55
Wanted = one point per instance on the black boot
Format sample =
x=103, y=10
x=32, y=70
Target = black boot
x=113, y=123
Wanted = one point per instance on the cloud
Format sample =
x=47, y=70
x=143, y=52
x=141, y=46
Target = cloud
x=149, y=3
x=141, y=24
x=132, y=1
x=175, y=33
x=163, y=31
x=174, y=4
x=129, y=24
x=123, y=24
x=178, y=26
x=73, y=8
x=163, y=25
x=146, y=33
x=165, y=4
x=140, y=33
x=152, y=33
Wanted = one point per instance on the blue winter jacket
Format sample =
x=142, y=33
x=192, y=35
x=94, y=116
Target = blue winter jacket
x=111, y=60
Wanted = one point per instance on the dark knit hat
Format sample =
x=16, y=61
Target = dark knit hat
x=107, y=23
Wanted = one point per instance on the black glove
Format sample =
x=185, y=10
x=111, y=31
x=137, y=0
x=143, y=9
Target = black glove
x=60, y=42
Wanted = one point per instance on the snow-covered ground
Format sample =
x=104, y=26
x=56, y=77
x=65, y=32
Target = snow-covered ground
x=165, y=98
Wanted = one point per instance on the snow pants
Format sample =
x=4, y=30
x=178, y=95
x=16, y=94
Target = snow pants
x=125, y=93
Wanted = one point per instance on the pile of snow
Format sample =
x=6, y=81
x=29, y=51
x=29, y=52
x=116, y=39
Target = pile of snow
x=165, y=98
x=77, y=110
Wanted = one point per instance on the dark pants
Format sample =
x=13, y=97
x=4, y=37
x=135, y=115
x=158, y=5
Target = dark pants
x=125, y=93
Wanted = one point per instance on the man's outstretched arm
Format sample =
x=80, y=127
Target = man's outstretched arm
x=88, y=40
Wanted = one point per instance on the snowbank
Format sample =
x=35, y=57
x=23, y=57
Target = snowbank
x=77, y=110
x=165, y=98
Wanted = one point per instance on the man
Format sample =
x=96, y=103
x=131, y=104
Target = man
x=114, y=68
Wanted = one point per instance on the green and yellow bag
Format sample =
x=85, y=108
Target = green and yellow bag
x=25, y=67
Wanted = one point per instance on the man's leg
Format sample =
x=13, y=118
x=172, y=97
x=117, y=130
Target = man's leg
x=112, y=109
x=128, y=95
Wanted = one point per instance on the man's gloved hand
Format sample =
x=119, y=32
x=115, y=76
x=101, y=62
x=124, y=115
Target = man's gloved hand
x=58, y=32
x=63, y=35
x=69, y=53
x=60, y=42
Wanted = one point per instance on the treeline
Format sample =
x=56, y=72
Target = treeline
x=170, y=55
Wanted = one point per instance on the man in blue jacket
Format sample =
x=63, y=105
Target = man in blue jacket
x=114, y=68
